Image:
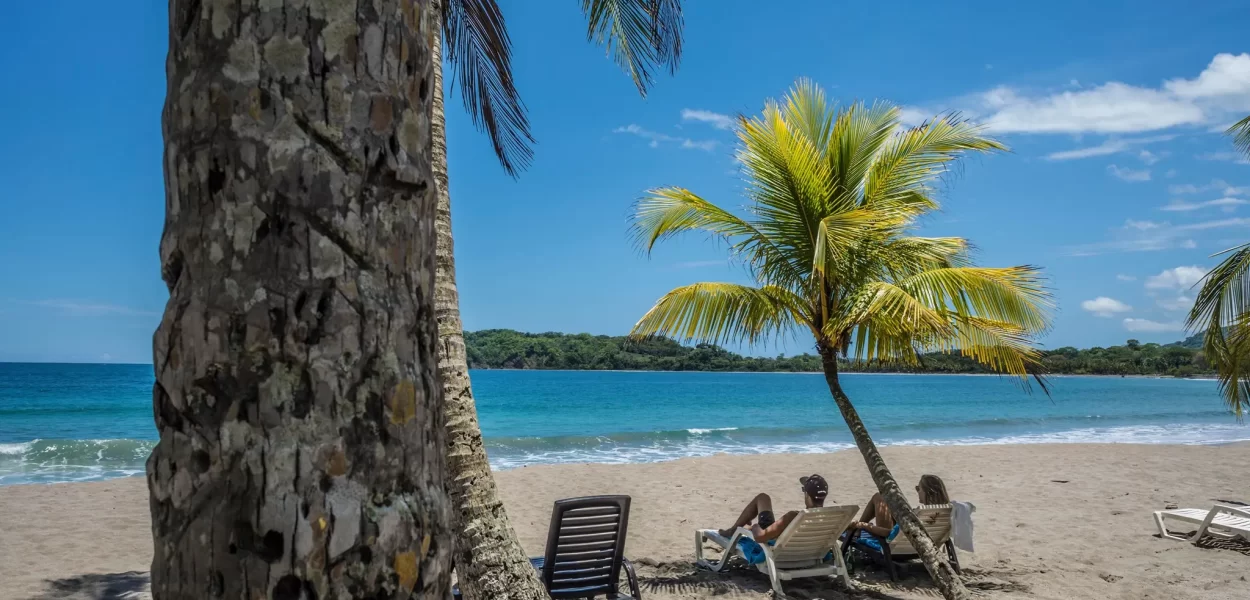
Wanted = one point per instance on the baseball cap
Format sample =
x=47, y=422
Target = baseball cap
x=814, y=486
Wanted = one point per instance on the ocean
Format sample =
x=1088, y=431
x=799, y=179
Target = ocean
x=80, y=422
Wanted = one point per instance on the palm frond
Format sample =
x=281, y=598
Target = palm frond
x=841, y=234
x=721, y=313
x=808, y=112
x=859, y=133
x=480, y=52
x=907, y=162
x=1241, y=135
x=667, y=212
x=884, y=309
x=1222, y=309
x=1000, y=345
x=908, y=255
x=1010, y=295
x=789, y=180
x=640, y=35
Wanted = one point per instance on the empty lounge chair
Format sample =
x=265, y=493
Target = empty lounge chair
x=1222, y=521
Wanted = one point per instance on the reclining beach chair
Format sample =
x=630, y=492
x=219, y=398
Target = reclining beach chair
x=807, y=548
x=1222, y=521
x=585, y=550
x=936, y=519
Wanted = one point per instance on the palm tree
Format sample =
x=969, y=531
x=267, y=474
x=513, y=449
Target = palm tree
x=641, y=35
x=301, y=440
x=835, y=194
x=1222, y=310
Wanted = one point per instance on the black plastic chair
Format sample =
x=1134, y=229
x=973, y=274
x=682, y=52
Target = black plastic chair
x=586, y=550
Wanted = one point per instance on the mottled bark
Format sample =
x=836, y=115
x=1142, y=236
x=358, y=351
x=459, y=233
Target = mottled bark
x=297, y=394
x=489, y=561
x=940, y=570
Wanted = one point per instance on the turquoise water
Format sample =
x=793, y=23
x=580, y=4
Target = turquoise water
x=84, y=422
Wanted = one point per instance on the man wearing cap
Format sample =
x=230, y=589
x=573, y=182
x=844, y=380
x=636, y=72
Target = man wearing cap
x=760, y=509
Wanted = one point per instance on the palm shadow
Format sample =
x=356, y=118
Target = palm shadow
x=130, y=585
x=685, y=580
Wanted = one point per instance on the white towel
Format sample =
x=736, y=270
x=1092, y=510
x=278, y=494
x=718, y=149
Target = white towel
x=961, y=525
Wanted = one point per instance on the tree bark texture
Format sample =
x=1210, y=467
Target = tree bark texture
x=940, y=570
x=489, y=561
x=297, y=394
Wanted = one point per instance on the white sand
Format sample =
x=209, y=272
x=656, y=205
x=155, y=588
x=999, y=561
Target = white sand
x=1089, y=538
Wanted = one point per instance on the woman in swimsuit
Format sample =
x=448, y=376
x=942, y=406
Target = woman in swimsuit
x=876, y=518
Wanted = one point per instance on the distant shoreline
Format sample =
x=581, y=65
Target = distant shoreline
x=1065, y=375
x=1203, y=377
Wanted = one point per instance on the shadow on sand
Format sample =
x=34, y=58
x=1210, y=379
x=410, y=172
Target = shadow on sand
x=132, y=585
x=686, y=581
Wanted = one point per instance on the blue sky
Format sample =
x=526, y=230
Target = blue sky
x=1118, y=182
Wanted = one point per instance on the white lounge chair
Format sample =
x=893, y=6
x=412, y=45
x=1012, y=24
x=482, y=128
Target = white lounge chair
x=936, y=519
x=800, y=551
x=1222, y=521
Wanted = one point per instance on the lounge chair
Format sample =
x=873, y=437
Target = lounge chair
x=808, y=547
x=585, y=550
x=1222, y=521
x=936, y=519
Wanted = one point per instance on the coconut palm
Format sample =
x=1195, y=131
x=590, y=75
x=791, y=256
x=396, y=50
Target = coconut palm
x=834, y=196
x=1222, y=310
x=641, y=35
x=301, y=440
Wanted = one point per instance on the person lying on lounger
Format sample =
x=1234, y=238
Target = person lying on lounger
x=760, y=510
x=876, y=518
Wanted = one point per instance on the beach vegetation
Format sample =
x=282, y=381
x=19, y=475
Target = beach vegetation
x=508, y=349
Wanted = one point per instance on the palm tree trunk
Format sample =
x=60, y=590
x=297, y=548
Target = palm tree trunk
x=297, y=395
x=489, y=561
x=939, y=569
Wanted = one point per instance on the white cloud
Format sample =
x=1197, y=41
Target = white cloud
x=1178, y=278
x=1148, y=326
x=1228, y=204
x=1181, y=302
x=1103, y=306
x=1203, y=226
x=911, y=116
x=89, y=309
x=657, y=138
x=715, y=119
x=1170, y=174
x=1227, y=77
x=1126, y=278
x=1114, y=146
x=1141, y=236
x=1232, y=157
x=1130, y=175
x=1216, y=185
x=1142, y=225
x=106, y=357
x=705, y=145
x=1110, y=108
x=1151, y=158
x=1222, y=88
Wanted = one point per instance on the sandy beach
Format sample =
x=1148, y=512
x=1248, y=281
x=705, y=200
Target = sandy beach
x=1053, y=521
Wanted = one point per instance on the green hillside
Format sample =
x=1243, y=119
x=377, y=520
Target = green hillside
x=508, y=349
